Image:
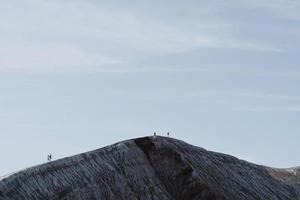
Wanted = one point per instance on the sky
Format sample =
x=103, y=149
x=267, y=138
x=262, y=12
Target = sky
x=77, y=75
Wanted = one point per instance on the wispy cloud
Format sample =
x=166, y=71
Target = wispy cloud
x=264, y=96
x=256, y=102
x=288, y=9
x=220, y=100
x=39, y=34
x=24, y=58
x=266, y=108
x=238, y=94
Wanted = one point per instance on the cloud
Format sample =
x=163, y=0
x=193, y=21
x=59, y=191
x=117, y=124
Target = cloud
x=228, y=43
x=266, y=108
x=286, y=9
x=239, y=94
x=142, y=69
x=38, y=34
x=253, y=101
x=222, y=100
x=50, y=57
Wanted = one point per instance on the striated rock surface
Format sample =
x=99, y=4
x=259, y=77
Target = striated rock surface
x=152, y=168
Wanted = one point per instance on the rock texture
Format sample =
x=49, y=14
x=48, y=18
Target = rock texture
x=154, y=168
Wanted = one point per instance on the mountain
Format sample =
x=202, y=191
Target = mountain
x=152, y=168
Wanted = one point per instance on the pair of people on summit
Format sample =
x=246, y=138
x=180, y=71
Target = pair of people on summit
x=168, y=134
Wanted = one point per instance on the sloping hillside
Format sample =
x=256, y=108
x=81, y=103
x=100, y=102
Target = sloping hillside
x=155, y=168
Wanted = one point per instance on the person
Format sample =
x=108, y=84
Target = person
x=168, y=134
x=49, y=157
x=154, y=134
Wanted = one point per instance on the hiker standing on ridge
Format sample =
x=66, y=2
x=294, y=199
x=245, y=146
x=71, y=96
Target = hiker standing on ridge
x=49, y=157
x=168, y=134
x=154, y=134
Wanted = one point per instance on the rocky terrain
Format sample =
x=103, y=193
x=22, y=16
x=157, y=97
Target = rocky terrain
x=152, y=168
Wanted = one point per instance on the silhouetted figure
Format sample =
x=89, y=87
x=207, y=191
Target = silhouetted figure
x=49, y=157
x=154, y=134
x=168, y=134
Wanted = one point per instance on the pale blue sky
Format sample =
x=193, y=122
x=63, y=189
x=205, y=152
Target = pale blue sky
x=82, y=74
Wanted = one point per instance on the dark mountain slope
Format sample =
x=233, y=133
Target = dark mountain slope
x=152, y=168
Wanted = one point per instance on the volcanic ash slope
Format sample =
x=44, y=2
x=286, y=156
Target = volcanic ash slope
x=152, y=168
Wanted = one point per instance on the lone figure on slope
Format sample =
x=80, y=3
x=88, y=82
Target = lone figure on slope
x=49, y=157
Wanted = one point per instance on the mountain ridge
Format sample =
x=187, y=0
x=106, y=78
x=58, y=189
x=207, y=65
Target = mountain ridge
x=152, y=168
